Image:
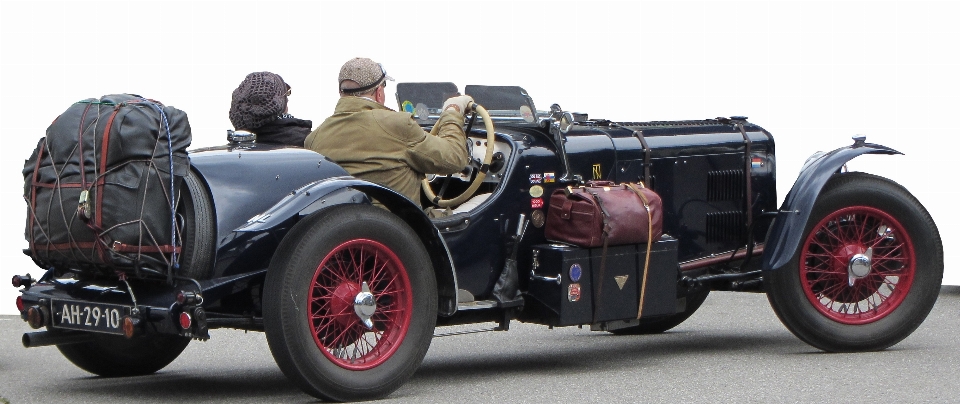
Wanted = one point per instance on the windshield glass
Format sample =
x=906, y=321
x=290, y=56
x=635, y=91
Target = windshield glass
x=424, y=100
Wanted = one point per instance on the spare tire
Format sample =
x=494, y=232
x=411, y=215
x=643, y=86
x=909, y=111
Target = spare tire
x=196, y=222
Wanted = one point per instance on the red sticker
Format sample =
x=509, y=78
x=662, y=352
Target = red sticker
x=536, y=203
x=573, y=292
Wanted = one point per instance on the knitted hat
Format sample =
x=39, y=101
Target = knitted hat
x=365, y=72
x=259, y=99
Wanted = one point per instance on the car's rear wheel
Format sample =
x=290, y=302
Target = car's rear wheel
x=661, y=324
x=868, y=269
x=115, y=356
x=350, y=303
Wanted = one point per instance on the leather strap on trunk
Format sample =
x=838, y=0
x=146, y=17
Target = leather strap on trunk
x=646, y=264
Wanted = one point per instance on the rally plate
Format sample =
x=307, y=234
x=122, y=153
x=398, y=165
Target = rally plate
x=87, y=316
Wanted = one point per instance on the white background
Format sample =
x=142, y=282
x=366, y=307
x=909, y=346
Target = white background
x=812, y=73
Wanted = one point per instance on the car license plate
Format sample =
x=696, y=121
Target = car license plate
x=86, y=316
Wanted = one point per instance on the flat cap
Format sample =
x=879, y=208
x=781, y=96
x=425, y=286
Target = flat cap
x=363, y=71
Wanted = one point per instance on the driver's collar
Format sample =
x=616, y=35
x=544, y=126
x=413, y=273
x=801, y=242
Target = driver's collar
x=354, y=104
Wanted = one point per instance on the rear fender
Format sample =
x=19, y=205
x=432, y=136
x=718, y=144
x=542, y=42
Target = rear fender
x=787, y=230
x=336, y=191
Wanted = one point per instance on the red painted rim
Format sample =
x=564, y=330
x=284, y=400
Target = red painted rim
x=828, y=250
x=337, y=330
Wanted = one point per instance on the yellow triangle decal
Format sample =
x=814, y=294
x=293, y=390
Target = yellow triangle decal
x=621, y=280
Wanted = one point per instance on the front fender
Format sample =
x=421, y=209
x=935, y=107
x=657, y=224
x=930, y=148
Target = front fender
x=787, y=230
x=335, y=191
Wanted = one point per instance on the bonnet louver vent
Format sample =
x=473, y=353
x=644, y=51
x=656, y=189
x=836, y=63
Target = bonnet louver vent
x=725, y=227
x=725, y=185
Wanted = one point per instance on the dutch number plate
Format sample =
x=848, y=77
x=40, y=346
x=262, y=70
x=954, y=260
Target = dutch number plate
x=86, y=316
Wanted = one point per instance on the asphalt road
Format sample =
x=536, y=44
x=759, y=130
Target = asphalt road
x=733, y=350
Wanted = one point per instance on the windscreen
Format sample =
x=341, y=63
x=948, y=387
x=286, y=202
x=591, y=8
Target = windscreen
x=425, y=100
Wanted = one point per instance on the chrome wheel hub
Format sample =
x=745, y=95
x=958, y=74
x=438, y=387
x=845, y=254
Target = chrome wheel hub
x=859, y=266
x=365, y=305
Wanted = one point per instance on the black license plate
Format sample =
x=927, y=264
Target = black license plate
x=86, y=316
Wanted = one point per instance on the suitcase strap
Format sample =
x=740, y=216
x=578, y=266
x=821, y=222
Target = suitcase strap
x=646, y=264
x=603, y=254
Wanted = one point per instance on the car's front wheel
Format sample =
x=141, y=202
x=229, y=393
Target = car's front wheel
x=867, y=271
x=350, y=303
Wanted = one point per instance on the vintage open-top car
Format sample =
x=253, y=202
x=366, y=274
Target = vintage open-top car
x=350, y=280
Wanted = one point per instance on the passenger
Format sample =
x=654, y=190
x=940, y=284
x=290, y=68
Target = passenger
x=259, y=105
x=378, y=144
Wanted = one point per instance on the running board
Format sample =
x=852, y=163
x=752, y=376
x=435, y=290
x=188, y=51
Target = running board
x=447, y=334
x=477, y=305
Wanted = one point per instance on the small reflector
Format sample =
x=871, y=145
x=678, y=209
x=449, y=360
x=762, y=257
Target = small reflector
x=20, y=304
x=35, y=317
x=130, y=326
x=185, y=321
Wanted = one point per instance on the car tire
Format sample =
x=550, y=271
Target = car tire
x=867, y=271
x=118, y=356
x=311, y=315
x=657, y=325
x=196, y=220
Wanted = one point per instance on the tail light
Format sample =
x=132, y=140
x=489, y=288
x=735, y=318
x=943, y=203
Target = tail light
x=20, y=306
x=22, y=280
x=189, y=298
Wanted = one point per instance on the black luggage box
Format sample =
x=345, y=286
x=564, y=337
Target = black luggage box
x=604, y=294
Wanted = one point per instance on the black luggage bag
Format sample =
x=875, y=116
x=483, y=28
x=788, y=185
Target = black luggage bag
x=102, y=187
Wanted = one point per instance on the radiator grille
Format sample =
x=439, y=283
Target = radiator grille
x=725, y=185
x=725, y=227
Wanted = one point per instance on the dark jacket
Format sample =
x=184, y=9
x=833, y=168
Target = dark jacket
x=285, y=130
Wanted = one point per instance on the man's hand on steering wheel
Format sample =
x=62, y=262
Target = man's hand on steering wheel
x=460, y=103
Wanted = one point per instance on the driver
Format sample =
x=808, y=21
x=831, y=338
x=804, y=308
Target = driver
x=378, y=144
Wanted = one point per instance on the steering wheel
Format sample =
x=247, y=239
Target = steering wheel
x=484, y=167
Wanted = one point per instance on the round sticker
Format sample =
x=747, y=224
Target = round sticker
x=536, y=191
x=407, y=106
x=575, y=273
x=538, y=218
x=422, y=112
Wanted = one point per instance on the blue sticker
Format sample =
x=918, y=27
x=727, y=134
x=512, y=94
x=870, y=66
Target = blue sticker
x=407, y=106
x=575, y=273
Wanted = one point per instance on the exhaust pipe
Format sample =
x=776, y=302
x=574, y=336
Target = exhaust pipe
x=46, y=338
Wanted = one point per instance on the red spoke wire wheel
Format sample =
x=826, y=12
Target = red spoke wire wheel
x=338, y=330
x=828, y=250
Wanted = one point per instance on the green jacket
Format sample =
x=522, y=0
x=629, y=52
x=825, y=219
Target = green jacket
x=387, y=147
